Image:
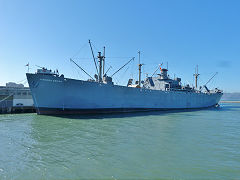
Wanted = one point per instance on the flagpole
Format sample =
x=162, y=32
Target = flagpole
x=27, y=66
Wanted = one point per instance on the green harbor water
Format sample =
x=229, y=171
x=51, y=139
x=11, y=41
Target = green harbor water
x=203, y=144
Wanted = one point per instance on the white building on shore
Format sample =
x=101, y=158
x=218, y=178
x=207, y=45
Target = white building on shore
x=15, y=98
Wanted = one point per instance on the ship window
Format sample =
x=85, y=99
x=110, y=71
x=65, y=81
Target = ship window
x=24, y=93
x=19, y=93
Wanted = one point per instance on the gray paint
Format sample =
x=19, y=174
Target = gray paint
x=54, y=92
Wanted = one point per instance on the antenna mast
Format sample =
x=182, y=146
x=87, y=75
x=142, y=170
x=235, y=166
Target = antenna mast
x=196, y=76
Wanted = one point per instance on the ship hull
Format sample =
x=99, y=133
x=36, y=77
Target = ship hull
x=59, y=95
x=60, y=111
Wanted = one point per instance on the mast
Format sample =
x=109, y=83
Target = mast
x=103, y=60
x=100, y=57
x=196, y=77
x=139, y=69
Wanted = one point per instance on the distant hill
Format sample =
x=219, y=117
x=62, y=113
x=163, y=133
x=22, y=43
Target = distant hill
x=231, y=97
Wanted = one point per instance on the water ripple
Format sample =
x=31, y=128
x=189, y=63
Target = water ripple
x=169, y=145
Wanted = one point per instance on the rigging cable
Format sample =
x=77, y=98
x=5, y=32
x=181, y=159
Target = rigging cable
x=79, y=51
x=123, y=66
x=6, y=98
x=81, y=69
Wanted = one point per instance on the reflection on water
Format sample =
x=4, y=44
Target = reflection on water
x=176, y=144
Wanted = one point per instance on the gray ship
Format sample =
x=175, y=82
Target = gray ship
x=54, y=94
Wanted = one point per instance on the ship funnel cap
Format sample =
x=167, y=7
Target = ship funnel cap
x=163, y=74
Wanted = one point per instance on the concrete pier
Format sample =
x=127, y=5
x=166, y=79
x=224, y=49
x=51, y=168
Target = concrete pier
x=12, y=110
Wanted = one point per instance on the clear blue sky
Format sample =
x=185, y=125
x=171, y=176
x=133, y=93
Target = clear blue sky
x=182, y=32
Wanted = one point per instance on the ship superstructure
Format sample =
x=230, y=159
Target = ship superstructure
x=54, y=94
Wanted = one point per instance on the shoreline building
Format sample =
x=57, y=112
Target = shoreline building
x=15, y=98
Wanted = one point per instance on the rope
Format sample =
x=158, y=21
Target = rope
x=79, y=50
x=123, y=76
x=5, y=98
x=95, y=47
x=21, y=80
